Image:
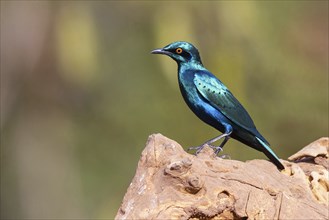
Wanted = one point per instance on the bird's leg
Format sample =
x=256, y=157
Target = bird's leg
x=220, y=147
x=197, y=148
x=226, y=135
x=209, y=143
x=215, y=139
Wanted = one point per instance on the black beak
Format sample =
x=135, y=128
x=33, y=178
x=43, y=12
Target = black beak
x=160, y=51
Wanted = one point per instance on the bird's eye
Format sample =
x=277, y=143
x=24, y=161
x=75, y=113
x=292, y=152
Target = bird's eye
x=179, y=50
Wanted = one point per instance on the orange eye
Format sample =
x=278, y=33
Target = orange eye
x=179, y=50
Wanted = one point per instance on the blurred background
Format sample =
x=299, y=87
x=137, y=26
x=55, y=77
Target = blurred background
x=81, y=93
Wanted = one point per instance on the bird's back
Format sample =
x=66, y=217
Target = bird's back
x=200, y=87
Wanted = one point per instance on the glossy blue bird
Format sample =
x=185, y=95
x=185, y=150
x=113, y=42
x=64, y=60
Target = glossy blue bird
x=213, y=103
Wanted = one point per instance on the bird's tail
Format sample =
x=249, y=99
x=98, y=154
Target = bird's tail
x=270, y=154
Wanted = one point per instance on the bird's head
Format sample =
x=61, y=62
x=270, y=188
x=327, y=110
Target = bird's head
x=181, y=52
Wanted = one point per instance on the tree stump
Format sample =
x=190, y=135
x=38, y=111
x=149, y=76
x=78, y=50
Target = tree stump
x=172, y=184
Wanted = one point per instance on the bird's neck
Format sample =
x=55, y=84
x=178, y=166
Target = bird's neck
x=193, y=65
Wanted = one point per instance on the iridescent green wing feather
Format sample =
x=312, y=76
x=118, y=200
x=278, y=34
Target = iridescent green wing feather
x=216, y=93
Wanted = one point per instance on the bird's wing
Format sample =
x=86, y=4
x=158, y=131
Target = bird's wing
x=216, y=93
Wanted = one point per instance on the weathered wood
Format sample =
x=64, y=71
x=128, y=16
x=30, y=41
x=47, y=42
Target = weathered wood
x=172, y=184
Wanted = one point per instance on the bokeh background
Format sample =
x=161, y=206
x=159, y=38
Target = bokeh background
x=80, y=91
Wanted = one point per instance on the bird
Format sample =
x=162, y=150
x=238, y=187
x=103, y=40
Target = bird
x=212, y=102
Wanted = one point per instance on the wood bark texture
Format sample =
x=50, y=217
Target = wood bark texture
x=172, y=184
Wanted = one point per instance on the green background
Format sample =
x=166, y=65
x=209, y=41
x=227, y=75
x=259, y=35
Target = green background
x=80, y=91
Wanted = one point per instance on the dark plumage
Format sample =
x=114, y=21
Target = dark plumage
x=212, y=102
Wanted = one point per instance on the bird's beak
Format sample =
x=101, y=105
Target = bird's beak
x=160, y=51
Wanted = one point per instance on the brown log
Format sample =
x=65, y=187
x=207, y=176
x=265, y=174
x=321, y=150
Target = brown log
x=172, y=184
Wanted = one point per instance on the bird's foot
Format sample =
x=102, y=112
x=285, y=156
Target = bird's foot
x=197, y=148
x=217, y=150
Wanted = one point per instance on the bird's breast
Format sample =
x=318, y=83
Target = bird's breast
x=199, y=105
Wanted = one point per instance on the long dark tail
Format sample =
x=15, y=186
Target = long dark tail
x=270, y=154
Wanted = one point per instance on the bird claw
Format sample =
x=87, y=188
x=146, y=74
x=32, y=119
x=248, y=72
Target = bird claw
x=192, y=148
x=216, y=149
x=197, y=148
